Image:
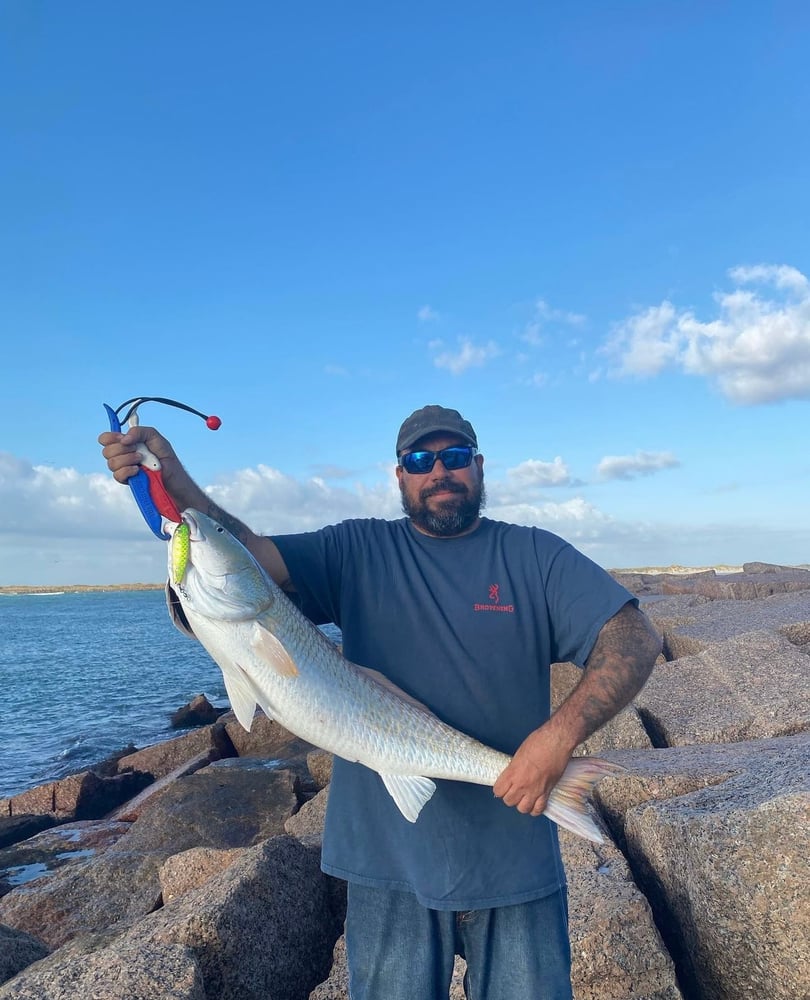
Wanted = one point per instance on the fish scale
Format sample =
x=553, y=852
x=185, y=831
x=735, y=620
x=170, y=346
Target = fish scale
x=272, y=656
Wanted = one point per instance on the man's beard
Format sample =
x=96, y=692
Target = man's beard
x=453, y=516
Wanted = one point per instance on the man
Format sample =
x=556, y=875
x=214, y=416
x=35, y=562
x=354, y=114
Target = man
x=466, y=614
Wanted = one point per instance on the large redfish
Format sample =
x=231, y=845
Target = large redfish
x=272, y=656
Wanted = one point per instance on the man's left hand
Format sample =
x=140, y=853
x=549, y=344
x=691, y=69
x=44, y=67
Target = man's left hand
x=537, y=766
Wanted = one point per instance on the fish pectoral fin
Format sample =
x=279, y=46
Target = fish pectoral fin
x=410, y=792
x=240, y=694
x=267, y=646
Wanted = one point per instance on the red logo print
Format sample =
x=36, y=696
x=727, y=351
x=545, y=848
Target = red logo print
x=494, y=601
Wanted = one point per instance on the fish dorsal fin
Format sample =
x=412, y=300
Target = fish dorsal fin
x=240, y=694
x=267, y=646
x=410, y=792
x=381, y=679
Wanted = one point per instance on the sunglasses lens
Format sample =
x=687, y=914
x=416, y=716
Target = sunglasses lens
x=456, y=458
x=419, y=462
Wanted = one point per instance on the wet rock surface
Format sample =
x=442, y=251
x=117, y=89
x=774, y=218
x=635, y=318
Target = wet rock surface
x=204, y=883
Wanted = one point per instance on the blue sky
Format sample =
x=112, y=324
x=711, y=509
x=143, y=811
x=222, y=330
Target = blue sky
x=585, y=226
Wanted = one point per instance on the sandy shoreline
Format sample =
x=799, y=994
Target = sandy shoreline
x=77, y=588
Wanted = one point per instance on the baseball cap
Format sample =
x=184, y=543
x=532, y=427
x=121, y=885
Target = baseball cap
x=432, y=420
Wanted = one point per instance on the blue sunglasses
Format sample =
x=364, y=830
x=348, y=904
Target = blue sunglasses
x=419, y=463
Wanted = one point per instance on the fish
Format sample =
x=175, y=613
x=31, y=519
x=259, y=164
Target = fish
x=273, y=657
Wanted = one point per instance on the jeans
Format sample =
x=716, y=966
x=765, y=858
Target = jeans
x=398, y=949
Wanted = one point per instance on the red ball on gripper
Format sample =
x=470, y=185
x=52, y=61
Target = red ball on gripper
x=213, y=423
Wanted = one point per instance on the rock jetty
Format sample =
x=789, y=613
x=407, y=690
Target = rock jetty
x=190, y=870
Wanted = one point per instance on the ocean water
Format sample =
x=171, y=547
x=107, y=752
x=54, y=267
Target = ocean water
x=83, y=675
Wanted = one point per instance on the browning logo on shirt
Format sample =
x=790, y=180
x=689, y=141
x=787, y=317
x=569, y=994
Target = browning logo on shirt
x=494, y=601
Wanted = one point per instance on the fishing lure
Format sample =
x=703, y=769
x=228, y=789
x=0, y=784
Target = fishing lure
x=180, y=549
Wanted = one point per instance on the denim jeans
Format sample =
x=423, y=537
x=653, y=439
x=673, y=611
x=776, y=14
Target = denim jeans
x=398, y=949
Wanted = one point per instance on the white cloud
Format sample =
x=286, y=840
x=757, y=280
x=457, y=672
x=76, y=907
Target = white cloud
x=643, y=463
x=756, y=350
x=467, y=355
x=62, y=527
x=534, y=473
x=543, y=316
x=780, y=275
x=272, y=502
x=427, y=314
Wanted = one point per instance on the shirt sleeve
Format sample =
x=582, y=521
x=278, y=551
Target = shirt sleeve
x=314, y=560
x=581, y=597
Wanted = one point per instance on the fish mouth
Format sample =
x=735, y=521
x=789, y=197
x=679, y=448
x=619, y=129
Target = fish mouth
x=193, y=524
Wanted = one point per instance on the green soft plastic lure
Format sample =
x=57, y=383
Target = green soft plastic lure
x=180, y=547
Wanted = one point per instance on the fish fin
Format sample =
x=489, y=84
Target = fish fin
x=272, y=652
x=381, y=679
x=410, y=792
x=568, y=802
x=240, y=694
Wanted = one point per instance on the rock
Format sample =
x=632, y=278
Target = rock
x=761, y=567
x=13, y=829
x=307, y=824
x=131, y=809
x=336, y=986
x=320, y=763
x=747, y=586
x=79, y=796
x=190, y=869
x=757, y=580
x=17, y=951
x=198, y=712
x=56, y=848
x=725, y=694
x=161, y=759
x=123, y=884
x=263, y=929
x=643, y=584
x=616, y=950
x=124, y=970
x=717, y=838
x=691, y=624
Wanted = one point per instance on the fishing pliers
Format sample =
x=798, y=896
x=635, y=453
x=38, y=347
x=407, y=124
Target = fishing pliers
x=147, y=484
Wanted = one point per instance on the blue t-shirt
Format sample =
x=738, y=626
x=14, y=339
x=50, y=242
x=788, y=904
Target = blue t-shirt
x=469, y=626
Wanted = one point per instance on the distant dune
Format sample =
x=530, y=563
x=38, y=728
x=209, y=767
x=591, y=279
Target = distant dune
x=680, y=570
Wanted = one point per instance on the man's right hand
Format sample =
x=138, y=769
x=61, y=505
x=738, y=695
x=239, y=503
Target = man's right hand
x=123, y=459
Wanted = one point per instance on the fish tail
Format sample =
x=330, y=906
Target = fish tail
x=569, y=802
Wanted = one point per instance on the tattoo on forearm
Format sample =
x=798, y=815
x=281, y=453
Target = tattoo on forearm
x=619, y=665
